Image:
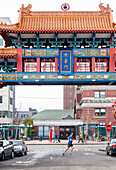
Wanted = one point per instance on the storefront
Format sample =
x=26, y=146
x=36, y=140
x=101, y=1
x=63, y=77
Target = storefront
x=62, y=128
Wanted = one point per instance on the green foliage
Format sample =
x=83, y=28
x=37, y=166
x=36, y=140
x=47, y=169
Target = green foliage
x=32, y=132
x=28, y=122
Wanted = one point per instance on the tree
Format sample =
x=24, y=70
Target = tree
x=17, y=122
x=28, y=122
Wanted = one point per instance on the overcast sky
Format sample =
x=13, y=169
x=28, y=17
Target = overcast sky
x=43, y=97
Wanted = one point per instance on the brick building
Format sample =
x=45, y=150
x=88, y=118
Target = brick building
x=94, y=106
x=68, y=97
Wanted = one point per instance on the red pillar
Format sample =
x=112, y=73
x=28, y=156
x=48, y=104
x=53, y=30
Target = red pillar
x=56, y=64
x=38, y=64
x=50, y=135
x=112, y=60
x=75, y=64
x=93, y=64
x=19, y=59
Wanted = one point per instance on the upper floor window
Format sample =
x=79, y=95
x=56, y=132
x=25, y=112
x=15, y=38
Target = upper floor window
x=0, y=99
x=11, y=88
x=100, y=112
x=11, y=101
x=99, y=94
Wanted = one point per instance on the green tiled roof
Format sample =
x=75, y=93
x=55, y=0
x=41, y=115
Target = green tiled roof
x=53, y=114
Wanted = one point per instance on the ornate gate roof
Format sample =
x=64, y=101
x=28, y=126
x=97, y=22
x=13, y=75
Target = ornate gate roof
x=62, y=21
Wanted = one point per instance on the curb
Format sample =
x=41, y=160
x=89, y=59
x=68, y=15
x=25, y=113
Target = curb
x=104, y=150
x=66, y=144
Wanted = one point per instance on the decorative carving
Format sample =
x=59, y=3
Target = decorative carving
x=104, y=10
x=65, y=7
x=26, y=10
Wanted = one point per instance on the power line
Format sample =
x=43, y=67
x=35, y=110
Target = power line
x=40, y=98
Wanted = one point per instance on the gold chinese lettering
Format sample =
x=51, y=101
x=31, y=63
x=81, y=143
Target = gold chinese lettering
x=65, y=61
x=66, y=67
x=65, y=54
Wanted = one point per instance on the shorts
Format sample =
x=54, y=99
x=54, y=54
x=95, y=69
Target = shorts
x=70, y=145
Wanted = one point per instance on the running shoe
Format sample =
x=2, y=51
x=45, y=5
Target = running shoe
x=63, y=154
x=70, y=154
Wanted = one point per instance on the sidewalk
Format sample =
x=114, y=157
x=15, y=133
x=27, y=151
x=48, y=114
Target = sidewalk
x=64, y=142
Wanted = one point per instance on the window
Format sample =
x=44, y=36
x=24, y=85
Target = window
x=11, y=101
x=100, y=112
x=40, y=130
x=11, y=88
x=0, y=99
x=46, y=130
x=99, y=94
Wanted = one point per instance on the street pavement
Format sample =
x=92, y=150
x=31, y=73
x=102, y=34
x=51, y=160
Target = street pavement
x=64, y=142
x=49, y=157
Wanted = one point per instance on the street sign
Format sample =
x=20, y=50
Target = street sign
x=108, y=128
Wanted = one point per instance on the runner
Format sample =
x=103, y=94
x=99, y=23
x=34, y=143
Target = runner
x=69, y=144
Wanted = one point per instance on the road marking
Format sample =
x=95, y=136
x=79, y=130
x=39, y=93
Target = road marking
x=87, y=149
x=23, y=162
x=89, y=154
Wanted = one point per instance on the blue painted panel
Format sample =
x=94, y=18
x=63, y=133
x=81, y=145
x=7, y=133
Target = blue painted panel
x=66, y=62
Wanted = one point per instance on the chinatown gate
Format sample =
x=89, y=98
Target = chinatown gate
x=60, y=47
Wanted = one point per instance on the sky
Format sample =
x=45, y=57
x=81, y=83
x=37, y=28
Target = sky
x=45, y=97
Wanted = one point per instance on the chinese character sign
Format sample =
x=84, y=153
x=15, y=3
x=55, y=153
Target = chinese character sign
x=65, y=61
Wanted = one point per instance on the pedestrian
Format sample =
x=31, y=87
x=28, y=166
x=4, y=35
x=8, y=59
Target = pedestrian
x=80, y=138
x=55, y=139
x=94, y=137
x=1, y=137
x=69, y=144
x=40, y=137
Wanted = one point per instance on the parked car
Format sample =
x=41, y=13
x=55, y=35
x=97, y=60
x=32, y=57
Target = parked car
x=111, y=147
x=19, y=147
x=6, y=149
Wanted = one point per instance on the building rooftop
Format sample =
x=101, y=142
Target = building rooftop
x=62, y=22
x=54, y=114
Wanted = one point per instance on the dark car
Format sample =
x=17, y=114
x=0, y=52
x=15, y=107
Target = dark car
x=6, y=149
x=111, y=147
x=20, y=147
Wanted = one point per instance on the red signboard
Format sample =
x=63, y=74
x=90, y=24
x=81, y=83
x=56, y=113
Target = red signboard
x=108, y=128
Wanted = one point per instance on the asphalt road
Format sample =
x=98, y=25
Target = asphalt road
x=49, y=157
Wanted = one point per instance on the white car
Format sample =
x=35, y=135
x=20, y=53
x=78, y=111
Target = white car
x=19, y=147
x=6, y=149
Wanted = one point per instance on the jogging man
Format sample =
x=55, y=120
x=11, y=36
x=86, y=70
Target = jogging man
x=69, y=144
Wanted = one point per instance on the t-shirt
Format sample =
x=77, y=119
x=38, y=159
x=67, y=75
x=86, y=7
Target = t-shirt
x=70, y=142
x=80, y=135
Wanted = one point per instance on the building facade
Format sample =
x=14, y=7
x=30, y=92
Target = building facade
x=68, y=97
x=94, y=106
x=7, y=102
x=25, y=114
